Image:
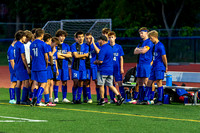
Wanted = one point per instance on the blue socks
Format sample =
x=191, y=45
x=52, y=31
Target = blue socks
x=24, y=94
x=136, y=95
x=74, y=92
x=80, y=89
x=84, y=93
x=12, y=93
x=55, y=89
x=112, y=95
x=160, y=93
x=147, y=93
x=46, y=98
x=141, y=93
x=122, y=91
x=64, y=91
x=18, y=94
x=30, y=92
x=39, y=92
x=152, y=95
x=88, y=92
x=98, y=94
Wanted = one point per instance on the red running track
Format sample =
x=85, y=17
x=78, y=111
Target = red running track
x=5, y=76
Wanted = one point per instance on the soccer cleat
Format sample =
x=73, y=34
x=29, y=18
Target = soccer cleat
x=12, y=101
x=65, y=100
x=50, y=100
x=85, y=101
x=101, y=102
x=134, y=101
x=158, y=103
x=124, y=102
x=152, y=101
x=120, y=100
x=111, y=101
x=41, y=104
x=89, y=101
x=51, y=104
x=73, y=102
x=115, y=100
x=34, y=100
x=78, y=101
x=106, y=100
x=56, y=100
x=42, y=100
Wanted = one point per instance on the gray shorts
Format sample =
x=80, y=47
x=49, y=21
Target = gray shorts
x=104, y=79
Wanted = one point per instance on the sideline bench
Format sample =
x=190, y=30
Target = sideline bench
x=186, y=77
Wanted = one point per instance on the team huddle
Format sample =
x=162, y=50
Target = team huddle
x=39, y=62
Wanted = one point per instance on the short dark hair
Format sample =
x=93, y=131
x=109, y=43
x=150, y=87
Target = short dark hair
x=56, y=40
x=33, y=30
x=19, y=35
x=61, y=32
x=102, y=37
x=39, y=32
x=79, y=33
x=46, y=37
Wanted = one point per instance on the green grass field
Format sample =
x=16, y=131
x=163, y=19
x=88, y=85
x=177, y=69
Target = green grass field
x=89, y=118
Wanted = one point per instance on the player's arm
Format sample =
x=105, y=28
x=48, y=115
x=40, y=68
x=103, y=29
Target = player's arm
x=121, y=64
x=95, y=46
x=136, y=51
x=67, y=55
x=51, y=58
x=46, y=59
x=25, y=62
x=12, y=62
x=141, y=50
x=164, y=59
x=76, y=55
x=57, y=72
x=60, y=56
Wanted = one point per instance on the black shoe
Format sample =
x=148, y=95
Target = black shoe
x=158, y=103
x=120, y=100
x=17, y=102
x=33, y=103
x=73, y=101
x=101, y=102
x=78, y=101
x=85, y=101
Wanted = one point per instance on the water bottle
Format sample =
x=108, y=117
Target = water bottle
x=168, y=80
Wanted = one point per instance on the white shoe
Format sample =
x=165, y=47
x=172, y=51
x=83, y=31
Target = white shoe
x=134, y=101
x=152, y=101
x=51, y=104
x=12, y=101
x=89, y=101
x=65, y=100
x=41, y=104
x=56, y=100
x=111, y=101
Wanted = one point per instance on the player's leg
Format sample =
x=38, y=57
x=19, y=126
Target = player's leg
x=88, y=91
x=64, y=78
x=75, y=78
x=18, y=91
x=109, y=83
x=85, y=92
x=13, y=80
x=51, y=91
x=46, y=92
x=100, y=83
x=25, y=91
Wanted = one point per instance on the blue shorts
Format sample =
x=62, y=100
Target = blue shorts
x=80, y=75
x=92, y=72
x=13, y=77
x=143, y=70
x=117, y=76
x=22, y=75
x=39, y=76
x=63, y=75
x=49, y=73
x=157, y=75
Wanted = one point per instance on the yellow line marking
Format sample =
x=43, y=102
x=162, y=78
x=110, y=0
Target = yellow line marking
x=121, y=114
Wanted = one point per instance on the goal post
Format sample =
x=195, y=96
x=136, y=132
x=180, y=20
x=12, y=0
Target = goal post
x=94, y=26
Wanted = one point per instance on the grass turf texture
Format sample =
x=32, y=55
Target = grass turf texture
x=93, y=118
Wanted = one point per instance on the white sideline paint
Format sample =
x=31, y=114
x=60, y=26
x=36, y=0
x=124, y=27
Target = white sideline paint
x=20, y=119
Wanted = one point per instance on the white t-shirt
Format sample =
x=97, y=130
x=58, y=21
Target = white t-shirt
x=27, y=51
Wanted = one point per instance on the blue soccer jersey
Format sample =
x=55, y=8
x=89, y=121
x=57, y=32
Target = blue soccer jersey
x=117, y=53
x=82, y=49
x=147, y=57
x=18, y=50
x=159, y=51
x=63, y=48
x=10, y=56
x=37, y=50
x=55, y=57
x=106, y=55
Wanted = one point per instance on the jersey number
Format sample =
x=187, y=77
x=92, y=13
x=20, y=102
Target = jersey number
x=35, y=51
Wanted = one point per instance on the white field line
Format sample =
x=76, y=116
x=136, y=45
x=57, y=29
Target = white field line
x=20, y=119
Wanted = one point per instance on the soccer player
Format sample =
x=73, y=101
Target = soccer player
x=90, y=66
x=80, y=52
x=39, y=57
x=144, y=52
x=159, y=66
x=13, y=79
x=21, y=68
x=64, y=53
x=29, y=37
x=105, y=73
x=48, y=91
x=118, y=62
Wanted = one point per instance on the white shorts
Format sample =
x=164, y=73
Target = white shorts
x=104, y=79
